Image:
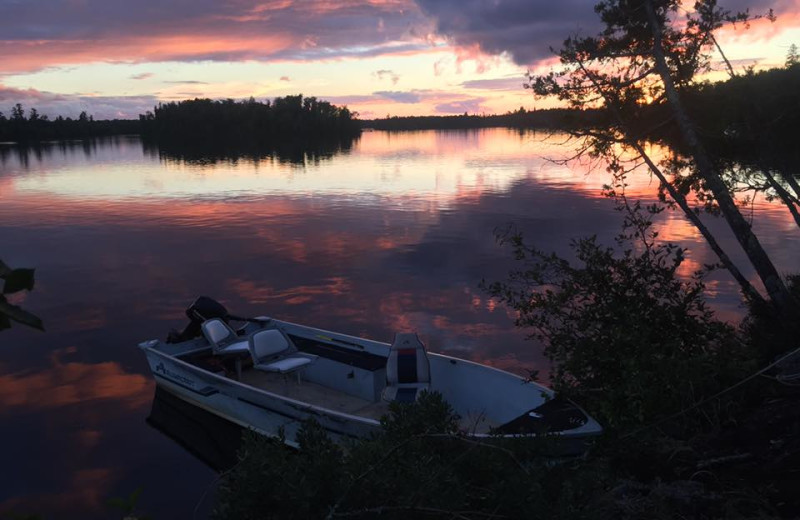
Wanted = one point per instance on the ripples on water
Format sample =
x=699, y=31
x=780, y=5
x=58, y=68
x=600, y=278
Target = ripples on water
x=392, y=233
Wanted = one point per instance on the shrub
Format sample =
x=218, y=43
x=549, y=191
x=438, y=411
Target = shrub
x=416, y=466
x=627, y=336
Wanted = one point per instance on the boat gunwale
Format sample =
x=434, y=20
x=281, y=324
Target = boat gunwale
x=589, y=429
x=304, y=405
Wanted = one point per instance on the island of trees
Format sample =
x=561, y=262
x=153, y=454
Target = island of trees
x=285, y=118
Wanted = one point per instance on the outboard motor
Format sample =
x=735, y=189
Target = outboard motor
x=203, y=308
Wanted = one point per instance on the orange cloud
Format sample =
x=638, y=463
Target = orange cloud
x=71, y=383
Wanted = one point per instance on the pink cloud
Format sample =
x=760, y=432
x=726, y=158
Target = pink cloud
x=51, y=104
x=64, y=32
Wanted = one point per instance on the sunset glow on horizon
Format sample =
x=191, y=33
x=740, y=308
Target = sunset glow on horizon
x=118, y=59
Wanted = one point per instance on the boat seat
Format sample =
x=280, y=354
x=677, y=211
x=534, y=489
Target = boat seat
x=408, y=371
x=223, y=339
x=272, y=352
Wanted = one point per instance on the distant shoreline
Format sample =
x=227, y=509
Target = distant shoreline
x=550, y=119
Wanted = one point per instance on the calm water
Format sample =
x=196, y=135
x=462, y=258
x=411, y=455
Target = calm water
x=393, y=234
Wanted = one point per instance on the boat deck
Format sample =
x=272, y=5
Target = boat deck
x=314, y=394
x=322, y=396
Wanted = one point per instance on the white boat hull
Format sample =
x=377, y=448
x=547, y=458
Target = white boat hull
x=492, y=403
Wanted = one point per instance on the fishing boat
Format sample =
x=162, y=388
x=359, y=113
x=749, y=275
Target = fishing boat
x=271, y=375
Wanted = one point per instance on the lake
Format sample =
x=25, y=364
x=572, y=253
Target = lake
x=391, y=234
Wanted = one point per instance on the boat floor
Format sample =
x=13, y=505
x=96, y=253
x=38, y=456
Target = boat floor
x=314, y=394
x=325, y=397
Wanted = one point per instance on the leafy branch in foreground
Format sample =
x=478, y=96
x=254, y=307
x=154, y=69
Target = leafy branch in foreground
x=627, y=336
x=14, y=281
x=638, y=70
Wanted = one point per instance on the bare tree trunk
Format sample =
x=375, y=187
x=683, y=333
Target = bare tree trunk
x=747, y=288
x=749, y=291
x=773, y=283
x=791, y=181
x=784, y=195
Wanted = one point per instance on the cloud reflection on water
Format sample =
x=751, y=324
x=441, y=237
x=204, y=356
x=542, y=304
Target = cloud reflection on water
x=394, y=236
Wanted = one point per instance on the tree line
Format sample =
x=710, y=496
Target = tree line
x=289, y=118
x=24, y=126
x=553, y=119
x=203, y=121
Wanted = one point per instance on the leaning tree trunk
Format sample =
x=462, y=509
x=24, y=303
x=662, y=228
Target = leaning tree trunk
x=764, y=267
x=751, y=294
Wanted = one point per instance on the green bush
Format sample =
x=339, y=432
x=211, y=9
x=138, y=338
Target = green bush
x=627, y=336
x=417, y=466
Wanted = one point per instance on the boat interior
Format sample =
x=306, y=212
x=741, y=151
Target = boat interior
x=359, y=378
x=318, y=371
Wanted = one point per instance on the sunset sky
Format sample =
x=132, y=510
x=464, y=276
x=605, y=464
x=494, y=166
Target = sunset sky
x=117, y=59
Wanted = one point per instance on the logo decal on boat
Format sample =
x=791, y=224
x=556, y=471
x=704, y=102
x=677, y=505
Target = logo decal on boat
x=173, y=375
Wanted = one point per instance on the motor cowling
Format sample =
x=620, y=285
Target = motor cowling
x=202, y=309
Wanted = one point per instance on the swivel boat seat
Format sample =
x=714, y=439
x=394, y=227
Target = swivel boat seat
x=408, y=371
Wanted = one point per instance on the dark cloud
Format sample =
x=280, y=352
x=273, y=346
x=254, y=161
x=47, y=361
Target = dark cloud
x=444, y=102
x=527, y=29
x=389, y=74
x=399, y=96
x=41, y=33
x=350, y=100
x=469, y=106
x=285, y=78
x=143, y=75
x=512, y=83
x=759, y=7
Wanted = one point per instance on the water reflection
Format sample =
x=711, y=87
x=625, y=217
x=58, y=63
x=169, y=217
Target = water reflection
x=210, y=438
x=393, y=235
x=297, y=152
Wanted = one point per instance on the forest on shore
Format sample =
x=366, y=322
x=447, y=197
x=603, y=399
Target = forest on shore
x=724, y=110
